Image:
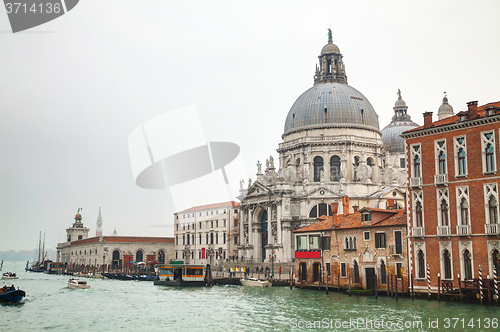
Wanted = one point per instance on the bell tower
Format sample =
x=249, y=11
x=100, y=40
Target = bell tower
x=98, y=231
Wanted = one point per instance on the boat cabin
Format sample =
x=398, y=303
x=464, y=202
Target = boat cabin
x=179, y=274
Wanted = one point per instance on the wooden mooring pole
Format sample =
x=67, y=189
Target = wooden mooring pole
x=396, y=281
x=439, y=287
x=392, y=288
x=459, y=288
x=376, y=284
x=326, y=279
x=490, y=302
x=349, y=283
x=428, y=282
x=411, y=282
x=480, y=285
x=496, y=285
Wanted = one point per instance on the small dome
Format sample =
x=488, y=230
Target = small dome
x=400, y=103
x=330, y=48
x=445, y=110
x=393, y=143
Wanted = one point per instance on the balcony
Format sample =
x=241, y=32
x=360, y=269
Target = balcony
x=443, y=231
x=492, y=229
x=418, y=231
x=396, y=250
x=415, y=182
x=441, y=178
x=463, y=230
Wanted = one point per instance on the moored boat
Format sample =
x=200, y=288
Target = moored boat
x=9, y=275
x=256, y=282
x=11, y=294
x=77, y=284
x=179, y=274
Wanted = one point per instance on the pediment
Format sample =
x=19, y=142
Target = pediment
x=258, y=188
x=394, y=193
x=322, y=191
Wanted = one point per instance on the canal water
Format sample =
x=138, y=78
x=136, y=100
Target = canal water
x=113, y=305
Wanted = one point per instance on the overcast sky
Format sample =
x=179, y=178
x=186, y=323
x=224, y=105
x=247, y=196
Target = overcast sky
x=72, y=90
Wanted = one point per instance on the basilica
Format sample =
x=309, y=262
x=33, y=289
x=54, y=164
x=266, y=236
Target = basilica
x=332, y=152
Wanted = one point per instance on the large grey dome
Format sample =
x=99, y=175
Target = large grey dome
x=331, y=104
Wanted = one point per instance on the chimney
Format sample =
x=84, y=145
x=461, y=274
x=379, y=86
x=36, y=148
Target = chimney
x=345, y=205
x=355, y=208
x=390, y=204
x=472, y=109
x=427, y=119
x=334, y=207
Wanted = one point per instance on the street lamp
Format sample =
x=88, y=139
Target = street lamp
x=272, y=257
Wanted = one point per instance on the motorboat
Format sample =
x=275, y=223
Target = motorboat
x=256, y=282
x=77, y=284
x=9, y=275
x=11, y=294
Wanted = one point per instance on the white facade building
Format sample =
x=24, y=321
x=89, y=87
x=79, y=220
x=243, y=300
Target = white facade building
x=205, y=234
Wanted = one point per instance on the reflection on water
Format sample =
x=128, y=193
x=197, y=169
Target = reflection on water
x=114, y=304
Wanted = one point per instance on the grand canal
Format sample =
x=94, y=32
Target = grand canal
x=111, y=305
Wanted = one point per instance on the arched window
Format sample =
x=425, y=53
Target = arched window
x=369, y=162
x=139, y=256
x=350, y=243
x=319, y=210
x=492, y=208
x=418, y=215
x=444, y=213
x=467, y=265
x=490, y=160
x=495, y=256
x=464, y=212
x=335, y=168
x=462, y=168
x=442, y=163
x=447, y=264
x=354, y=243
x=356, y=272
x=356, y=161
x=116, y=258
x=161, y=256
x=383, y=272
x=346, y=243
x=421, y=264
x=318, y=167
x=416, y=166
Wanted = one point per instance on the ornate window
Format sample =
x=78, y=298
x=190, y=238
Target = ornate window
x=415, y=161
x=447, y=264
x=443, y=207
x=495, y=258
x=460, y=156
x=421, y=264
x=318, y=167
x=467, y=264
x=335, y=168
x=418, y=217
x=463, y=213
x=491, y=202
x=440, y=147
x=139, y=256
x=350, y=243
x=488, y=151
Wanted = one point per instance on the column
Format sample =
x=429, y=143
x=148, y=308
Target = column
x=270, y=235
x=278, y=216
x=287, y=244
x=242, y=233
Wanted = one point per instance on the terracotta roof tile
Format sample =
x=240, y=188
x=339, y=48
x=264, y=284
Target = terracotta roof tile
x=481, y=110
x=353, y=220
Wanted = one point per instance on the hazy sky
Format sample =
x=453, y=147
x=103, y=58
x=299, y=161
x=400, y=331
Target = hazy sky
x=72, y=90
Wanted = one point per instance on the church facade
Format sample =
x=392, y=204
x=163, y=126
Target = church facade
x=332, y=152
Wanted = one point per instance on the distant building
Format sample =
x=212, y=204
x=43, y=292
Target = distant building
x=98, y=229
x=115, y=251
x=207, y=234
x=453, y=194
x=367, y=246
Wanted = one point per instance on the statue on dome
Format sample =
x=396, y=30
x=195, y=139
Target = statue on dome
x=399, y=94
x=330, y=35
